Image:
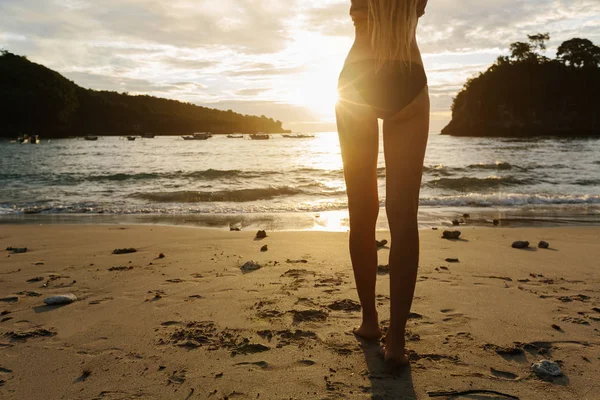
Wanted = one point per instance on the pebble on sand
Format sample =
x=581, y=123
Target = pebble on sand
x=520, y=244
x=264, y=248
x=381, y=243
x=250, y=266
x=451, y=234
x=61, y=299
x=261, y=234
x=452, y=260
x=496, y=222
x=124, y=251
x=17, y=250
x=455, y=222
x=543, y=245
x=546, y=368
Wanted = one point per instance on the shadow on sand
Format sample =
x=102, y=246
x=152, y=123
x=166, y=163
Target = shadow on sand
x=387, y=383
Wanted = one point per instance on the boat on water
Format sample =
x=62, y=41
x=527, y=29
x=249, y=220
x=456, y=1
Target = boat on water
x=131, y=138
x=198, y=136
x=23, y=139
x=299, y=136
x=235, y=136
x=91, y=138
x=148, y=136
x=260, y=136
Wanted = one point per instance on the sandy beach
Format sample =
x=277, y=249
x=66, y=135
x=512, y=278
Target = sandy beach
x=193, y=325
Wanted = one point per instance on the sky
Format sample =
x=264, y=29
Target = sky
x=279, y=58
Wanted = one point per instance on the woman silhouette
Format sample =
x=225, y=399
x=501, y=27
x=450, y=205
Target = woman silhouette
x=383, y=77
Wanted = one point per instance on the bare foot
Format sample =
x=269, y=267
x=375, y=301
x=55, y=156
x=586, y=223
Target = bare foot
x=393, y=360
x=368, y=331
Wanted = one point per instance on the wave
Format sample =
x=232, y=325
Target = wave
x=236, y=196
x=508, y=200
x=587, y=182
x=465, y=183
x=498, y=165
x=205, y=174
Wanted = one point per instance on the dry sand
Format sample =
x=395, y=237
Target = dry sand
x=192, y=325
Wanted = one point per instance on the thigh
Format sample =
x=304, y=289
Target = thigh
x=358, y=133
x=405, y=140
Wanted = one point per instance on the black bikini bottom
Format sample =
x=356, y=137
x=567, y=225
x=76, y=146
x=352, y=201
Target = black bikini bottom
x=387, y=91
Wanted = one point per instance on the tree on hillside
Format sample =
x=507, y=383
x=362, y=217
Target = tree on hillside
x=520, y=51
x=528, y=52
x=539, y=41
x=579, y=53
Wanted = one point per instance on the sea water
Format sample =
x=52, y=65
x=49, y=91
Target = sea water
x=286, y=183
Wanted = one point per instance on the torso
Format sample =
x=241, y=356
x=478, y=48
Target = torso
x=361, y=49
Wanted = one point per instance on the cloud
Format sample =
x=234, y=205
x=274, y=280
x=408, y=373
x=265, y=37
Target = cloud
x=251, y=92
x=271, y=53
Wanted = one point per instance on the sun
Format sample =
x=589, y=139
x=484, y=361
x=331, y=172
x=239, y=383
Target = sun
x=316, y=90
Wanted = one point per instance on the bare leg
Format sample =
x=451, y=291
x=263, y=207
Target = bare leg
x=405, y=140
x=359, y=141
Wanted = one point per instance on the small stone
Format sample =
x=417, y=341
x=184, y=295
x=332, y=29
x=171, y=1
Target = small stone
x=161, y=255
x=383, y=269
x=466, y=215
x=250, y=266
x=434, y=228
x=543, y=245
x=261, y=234
x=124, y=251
x=60, y=300
x=451, y=234
x=264, y=248
x=38, y=263
x=452, y=260
x=455, y=222
x=381, y=243
x=556, y=327
x=546, y=368
x=520, y=244
x=496, y=222
x=17, y=250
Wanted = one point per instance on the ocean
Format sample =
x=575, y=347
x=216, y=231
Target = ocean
x=290, y=184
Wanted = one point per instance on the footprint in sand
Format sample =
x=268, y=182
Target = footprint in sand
x=309, y=316
x=269, y=314
x=504, y=375
x=23, y=336
x=345, y=305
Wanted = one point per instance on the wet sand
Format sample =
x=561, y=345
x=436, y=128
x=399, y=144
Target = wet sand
x=194, y=325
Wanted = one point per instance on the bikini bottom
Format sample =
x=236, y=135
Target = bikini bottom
x=386, y=91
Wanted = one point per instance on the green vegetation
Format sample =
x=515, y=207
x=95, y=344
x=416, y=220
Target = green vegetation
x=37, y=100
x=528, y=94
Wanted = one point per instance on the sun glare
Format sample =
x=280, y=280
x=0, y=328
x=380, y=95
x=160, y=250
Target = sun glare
x=316, y=86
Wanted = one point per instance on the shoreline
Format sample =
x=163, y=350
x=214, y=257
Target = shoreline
x=192, y=322
x=330, y=221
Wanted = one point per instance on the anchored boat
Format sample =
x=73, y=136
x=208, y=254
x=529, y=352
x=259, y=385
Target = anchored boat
x=260, y=136
x=198, y=136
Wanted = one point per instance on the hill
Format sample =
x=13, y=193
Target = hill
x=36, y=100
x=527, y=94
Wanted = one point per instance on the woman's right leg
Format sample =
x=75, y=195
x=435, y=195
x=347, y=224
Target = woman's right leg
x=405, y=140
x=359, y=141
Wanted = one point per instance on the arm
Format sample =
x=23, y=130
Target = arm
x=421, y=8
